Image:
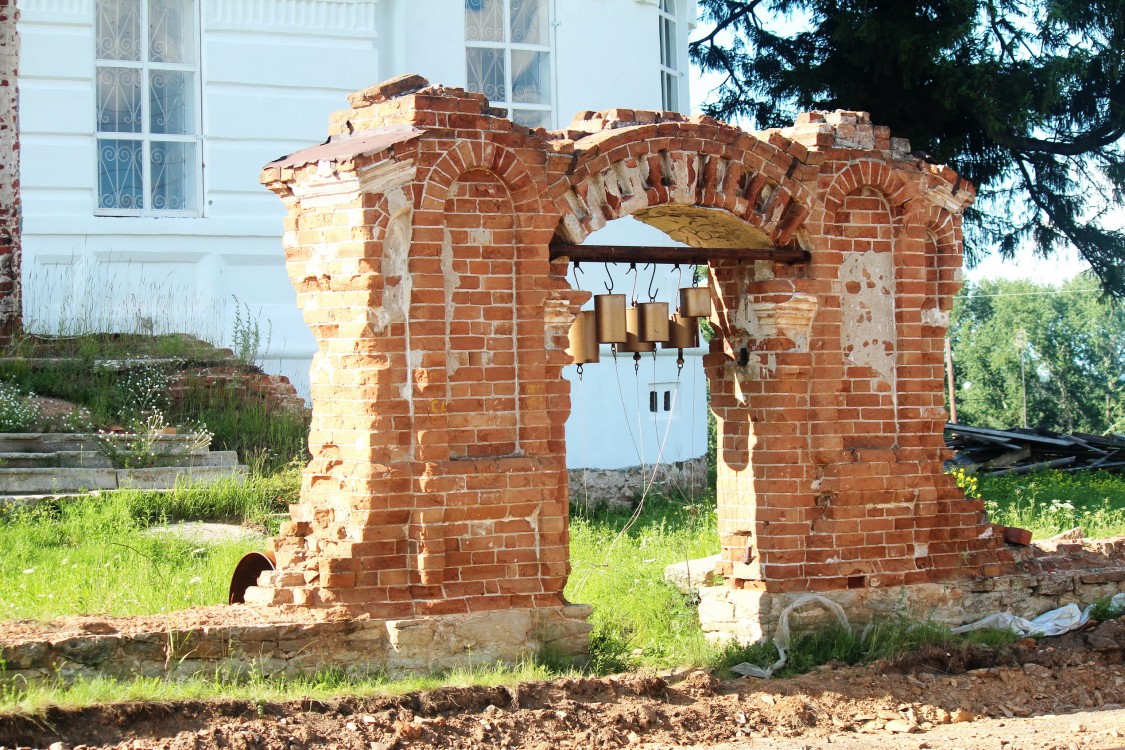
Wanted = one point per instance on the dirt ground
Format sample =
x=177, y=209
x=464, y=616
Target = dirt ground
x=1066, y=692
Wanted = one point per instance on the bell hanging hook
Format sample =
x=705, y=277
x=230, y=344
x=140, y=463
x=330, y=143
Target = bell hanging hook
x=679, y=275
x=651, y=281
x=608, y=284
x=633, y=293
x=578, y=270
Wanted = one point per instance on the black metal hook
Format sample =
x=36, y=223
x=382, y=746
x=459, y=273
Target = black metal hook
x=578, y=270
x=633, y=293
x=652, y=279
x=608, y=284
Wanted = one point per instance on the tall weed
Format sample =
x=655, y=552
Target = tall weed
x=1051, y=502
x=97, y=555
x=638, y=619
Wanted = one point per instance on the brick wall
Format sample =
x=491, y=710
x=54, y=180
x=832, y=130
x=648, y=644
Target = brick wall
x=9, y=172
x=418, y=241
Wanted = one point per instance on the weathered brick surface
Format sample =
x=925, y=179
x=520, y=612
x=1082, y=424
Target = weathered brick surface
x=9, y=171
x=438, y=480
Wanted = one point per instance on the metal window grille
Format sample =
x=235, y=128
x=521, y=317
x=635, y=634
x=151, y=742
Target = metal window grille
x=508, y=57
x=147, y=107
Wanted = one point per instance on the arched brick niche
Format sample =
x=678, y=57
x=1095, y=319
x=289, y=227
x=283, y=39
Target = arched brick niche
x=419, y=239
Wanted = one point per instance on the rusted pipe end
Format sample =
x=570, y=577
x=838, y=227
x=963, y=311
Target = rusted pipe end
x=246, y=573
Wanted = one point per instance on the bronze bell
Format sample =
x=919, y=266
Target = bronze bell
x=583, y=339
x=652, y=321
x=683, y=332
x=633, y=342
x=610, y=311
x=695, y=302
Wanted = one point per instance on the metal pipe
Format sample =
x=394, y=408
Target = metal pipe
x=653, y=321
x=683, y=332
x=583, y=339
x=633, y=342
x=609, y=310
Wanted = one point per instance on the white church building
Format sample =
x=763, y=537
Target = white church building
x=144, y=124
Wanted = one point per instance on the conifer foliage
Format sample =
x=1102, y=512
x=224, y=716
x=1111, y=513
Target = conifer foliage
x=1026, y=98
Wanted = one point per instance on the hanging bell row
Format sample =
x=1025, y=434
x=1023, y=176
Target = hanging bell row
x=640, y=328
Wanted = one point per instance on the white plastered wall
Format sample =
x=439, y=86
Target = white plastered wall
x=271, y=72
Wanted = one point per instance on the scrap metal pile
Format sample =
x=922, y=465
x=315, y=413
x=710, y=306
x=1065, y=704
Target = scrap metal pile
x=1021, y=450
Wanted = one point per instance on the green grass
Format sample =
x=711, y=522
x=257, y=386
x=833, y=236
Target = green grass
x=111, y=346
x=18, y=697
x=96, y=555
x=1051, y=502
x=888, y=638
x=621, y=573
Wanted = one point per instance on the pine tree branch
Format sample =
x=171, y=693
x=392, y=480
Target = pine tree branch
x=727, y=22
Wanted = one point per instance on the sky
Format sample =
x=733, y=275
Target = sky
x=1025, y=266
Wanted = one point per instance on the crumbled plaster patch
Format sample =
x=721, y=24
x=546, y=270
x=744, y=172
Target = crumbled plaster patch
x=685, y=172
x=867, y=303
x=791, y=319
x=388, y=178
x=395, y=264
x=932, y=316
x=451, y=280
x=627, y=183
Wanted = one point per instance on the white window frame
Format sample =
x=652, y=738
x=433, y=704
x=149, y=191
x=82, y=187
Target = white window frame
x=670, y=74
x=508, y=46
x=144, y=65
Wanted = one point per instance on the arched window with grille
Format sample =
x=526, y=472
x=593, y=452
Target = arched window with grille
x=147, y=102
x=508, y=57
x=669, y=58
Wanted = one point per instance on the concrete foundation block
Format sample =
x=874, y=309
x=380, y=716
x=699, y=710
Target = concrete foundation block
x=751, y=616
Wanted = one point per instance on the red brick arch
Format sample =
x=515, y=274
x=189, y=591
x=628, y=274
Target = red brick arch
x=860, y=174
x=943, y=254
x=706, y=165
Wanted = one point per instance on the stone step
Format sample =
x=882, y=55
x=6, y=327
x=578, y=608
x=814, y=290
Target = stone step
x=69, y=480
x=90, y=459
x=34, y=499
x=54, y=442
x=84, y=460
x=55, y=480
x=28, y=460
x=161, y=477
x=44, y=442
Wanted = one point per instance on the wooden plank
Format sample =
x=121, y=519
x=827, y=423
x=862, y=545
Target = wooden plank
x=672, y=255
x=1034, y=467
x=1007, y=435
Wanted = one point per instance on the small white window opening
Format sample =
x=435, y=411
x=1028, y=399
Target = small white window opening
x=655, y=400
x=508, y=57
x=669, y=64
x=149, y=151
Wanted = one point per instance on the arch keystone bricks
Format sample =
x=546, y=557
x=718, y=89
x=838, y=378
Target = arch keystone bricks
x=418, y=239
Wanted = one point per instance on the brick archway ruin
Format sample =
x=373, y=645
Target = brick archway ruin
x=427, y=240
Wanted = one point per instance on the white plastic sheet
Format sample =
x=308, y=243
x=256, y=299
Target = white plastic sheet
x=1054, y=622
x=781, y=635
